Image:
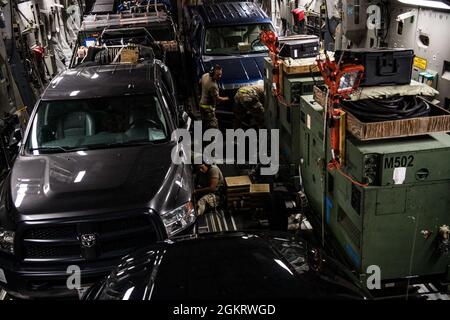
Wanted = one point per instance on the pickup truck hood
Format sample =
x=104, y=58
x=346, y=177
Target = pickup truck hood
x=257, y=265
x=93, y=180
x=238, y=71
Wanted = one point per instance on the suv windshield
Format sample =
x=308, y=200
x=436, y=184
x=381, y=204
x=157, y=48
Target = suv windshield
x=227, y=40
x=65, y=125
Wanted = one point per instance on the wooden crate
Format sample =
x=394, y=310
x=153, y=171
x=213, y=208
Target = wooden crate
x=301, y=66
x=438, y=121
x=238, y=181
x=319, y=95
x=129, y=55
x=238, y=188
x=256, y=188
x=259, y=194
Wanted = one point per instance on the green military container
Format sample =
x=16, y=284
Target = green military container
x=311, y=152
x=294, y=87
x=271, y=108
x=396, y=221
x=285, y=115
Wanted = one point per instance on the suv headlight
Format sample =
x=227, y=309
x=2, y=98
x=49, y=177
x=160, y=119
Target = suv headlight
x=179, y=218
x=6, y=241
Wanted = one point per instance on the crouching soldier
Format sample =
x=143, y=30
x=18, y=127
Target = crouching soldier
x=210, y=182
x=248, y=108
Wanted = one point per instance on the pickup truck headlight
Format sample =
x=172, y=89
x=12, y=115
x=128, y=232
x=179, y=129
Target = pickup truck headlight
x=179, y=218
x=6, y=241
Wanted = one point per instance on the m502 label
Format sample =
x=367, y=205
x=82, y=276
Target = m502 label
x=399, y=161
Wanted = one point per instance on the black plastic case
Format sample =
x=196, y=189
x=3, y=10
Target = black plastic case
x=299, y=46
x=382, y=66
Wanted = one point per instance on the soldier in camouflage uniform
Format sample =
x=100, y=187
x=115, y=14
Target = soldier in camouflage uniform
x=210, y=97
x=248, y=108
x=209, y=119
x=210, y=181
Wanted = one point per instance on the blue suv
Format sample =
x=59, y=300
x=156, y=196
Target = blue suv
x=227, y=33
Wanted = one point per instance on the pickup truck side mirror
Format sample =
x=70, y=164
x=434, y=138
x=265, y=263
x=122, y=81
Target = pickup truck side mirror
x=14, y=143
x=185, y=121
x=16, y=137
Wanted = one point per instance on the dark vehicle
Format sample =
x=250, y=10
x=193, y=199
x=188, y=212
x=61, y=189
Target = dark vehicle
x=103, y=29
x=233, y=266
x=93, y=179
x=227, y=33
x=148, y=25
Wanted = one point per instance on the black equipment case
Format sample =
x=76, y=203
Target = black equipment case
x=298, y=46
x=382, y=66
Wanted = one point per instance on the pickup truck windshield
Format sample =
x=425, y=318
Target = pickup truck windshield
x=66, y=125
x=241, y=39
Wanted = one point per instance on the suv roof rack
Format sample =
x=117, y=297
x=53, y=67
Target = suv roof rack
x=109, y=7
x=123, y=19
x=210, y=2
x=103, y=6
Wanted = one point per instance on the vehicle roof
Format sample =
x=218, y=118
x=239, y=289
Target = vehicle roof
x=86, y=82
x=231, y=12
x=236, y=265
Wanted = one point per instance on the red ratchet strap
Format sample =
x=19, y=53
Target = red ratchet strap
x=336, y=165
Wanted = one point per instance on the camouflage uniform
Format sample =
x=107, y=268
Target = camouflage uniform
x=248, y=108
x=210, y=200
x=209, y=119
x=210, y=90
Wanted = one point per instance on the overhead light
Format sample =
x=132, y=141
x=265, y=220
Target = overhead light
x=406, y=15
x=436, y=4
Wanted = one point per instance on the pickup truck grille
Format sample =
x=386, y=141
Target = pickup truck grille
x=82, y=241
x=61, y=232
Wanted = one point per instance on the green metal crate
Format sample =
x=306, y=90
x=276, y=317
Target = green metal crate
x=271, y=107
x=392, y=223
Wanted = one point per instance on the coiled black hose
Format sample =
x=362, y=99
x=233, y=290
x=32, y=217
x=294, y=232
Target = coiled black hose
x=374, y=110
